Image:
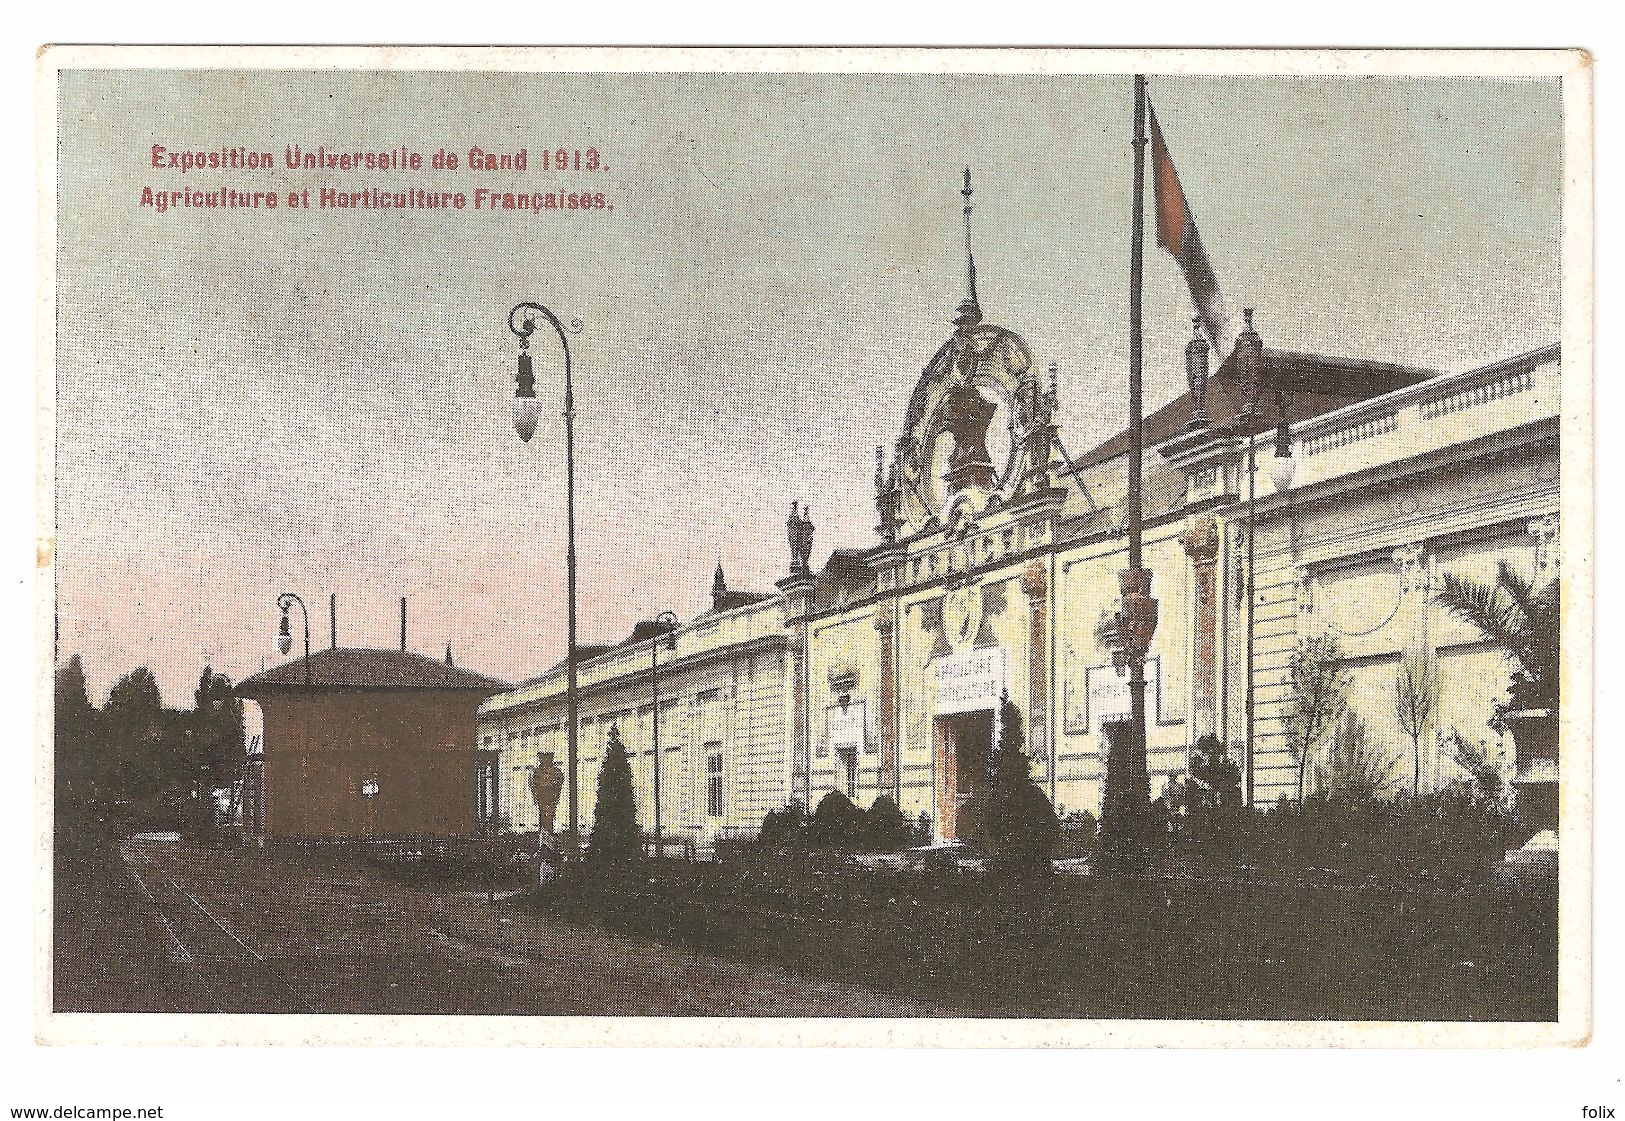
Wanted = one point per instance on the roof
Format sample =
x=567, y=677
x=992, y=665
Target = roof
x=846, y=576
x=585, y=652
x=361, y=668
x=728, y=599
x=1318, y=384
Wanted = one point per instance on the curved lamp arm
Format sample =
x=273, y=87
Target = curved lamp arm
x=285, y=601
x=526, y=409
x=666, y=622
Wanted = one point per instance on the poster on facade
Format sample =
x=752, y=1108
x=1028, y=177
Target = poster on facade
x=1001, y=547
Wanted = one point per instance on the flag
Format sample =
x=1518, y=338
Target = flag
x=1176, y=232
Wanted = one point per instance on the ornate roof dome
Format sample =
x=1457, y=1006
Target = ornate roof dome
x=979, y=371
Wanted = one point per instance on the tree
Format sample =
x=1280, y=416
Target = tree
x=1356, y=771
x=1125, y=808
x=1525, y=623
x=72, y=694
x=140, y=762
x=1320, y=688
x=217, y=717
x=1416, y=698
x=1015, y=822
x=615, y=840
x=77, y=741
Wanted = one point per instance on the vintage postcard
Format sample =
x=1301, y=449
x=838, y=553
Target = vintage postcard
x=840, y=547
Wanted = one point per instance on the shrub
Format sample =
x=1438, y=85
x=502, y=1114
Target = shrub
x=1454, y=832
x=1467, y=825
x=838, y=826
x=836, y=823
x=1356, y=770
x=1212, y=794
x=786, y=827
x=1483, y=772
x=1079, y=836
x=885, y=827
x=1215, y=780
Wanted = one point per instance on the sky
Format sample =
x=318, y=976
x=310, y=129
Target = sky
x=253, y=401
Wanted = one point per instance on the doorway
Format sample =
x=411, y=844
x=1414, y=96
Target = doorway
x=964, y=755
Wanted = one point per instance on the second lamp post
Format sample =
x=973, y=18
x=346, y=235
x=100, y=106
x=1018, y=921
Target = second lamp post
x=664, y=630
x=1255, y=379
x=284, y=639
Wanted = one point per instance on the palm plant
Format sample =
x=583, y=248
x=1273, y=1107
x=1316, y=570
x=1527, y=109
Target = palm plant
x=1524, y=622
x=1357, y=771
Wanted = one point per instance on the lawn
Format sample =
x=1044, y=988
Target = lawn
x=1080, y=947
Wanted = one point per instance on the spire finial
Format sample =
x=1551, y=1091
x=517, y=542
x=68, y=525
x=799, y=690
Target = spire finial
x=970, y=257
x=969, y=313
x=719, y=588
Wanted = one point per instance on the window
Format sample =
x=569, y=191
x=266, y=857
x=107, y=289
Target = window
x=713, y=779
x=485, y=788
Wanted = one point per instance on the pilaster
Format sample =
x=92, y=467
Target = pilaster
x=1201, y=542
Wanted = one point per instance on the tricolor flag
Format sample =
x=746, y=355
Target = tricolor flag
x=1176, y=232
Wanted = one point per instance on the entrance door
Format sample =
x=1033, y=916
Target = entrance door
x=964, y=744
x=849, y=769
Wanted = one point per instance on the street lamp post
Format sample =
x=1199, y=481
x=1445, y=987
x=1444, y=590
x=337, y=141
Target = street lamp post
x=1250, y=368
x=665, y=628
x=284, y=638
x=1249, y=356
x=526, y=412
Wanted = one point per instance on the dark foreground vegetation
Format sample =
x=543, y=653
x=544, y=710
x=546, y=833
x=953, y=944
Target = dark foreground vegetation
x=1071, y=946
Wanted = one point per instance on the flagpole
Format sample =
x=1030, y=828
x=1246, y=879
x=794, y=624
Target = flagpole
x=1138, y=584
x=1135, y=390
x=1127, y=799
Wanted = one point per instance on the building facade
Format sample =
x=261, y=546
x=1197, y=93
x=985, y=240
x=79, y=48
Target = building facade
x=724, y=721
x=996, y=572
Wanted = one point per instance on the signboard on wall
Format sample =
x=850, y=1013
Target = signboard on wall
x=846, y=728
x=971, y=680
x=1108, y=696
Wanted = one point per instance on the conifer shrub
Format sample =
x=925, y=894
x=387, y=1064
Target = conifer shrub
x=615, y=841
x=1012, y=822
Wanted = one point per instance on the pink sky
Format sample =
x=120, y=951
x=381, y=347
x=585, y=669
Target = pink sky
x=252, y=403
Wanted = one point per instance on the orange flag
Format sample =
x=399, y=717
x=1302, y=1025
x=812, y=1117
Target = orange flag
x=1176, y=232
